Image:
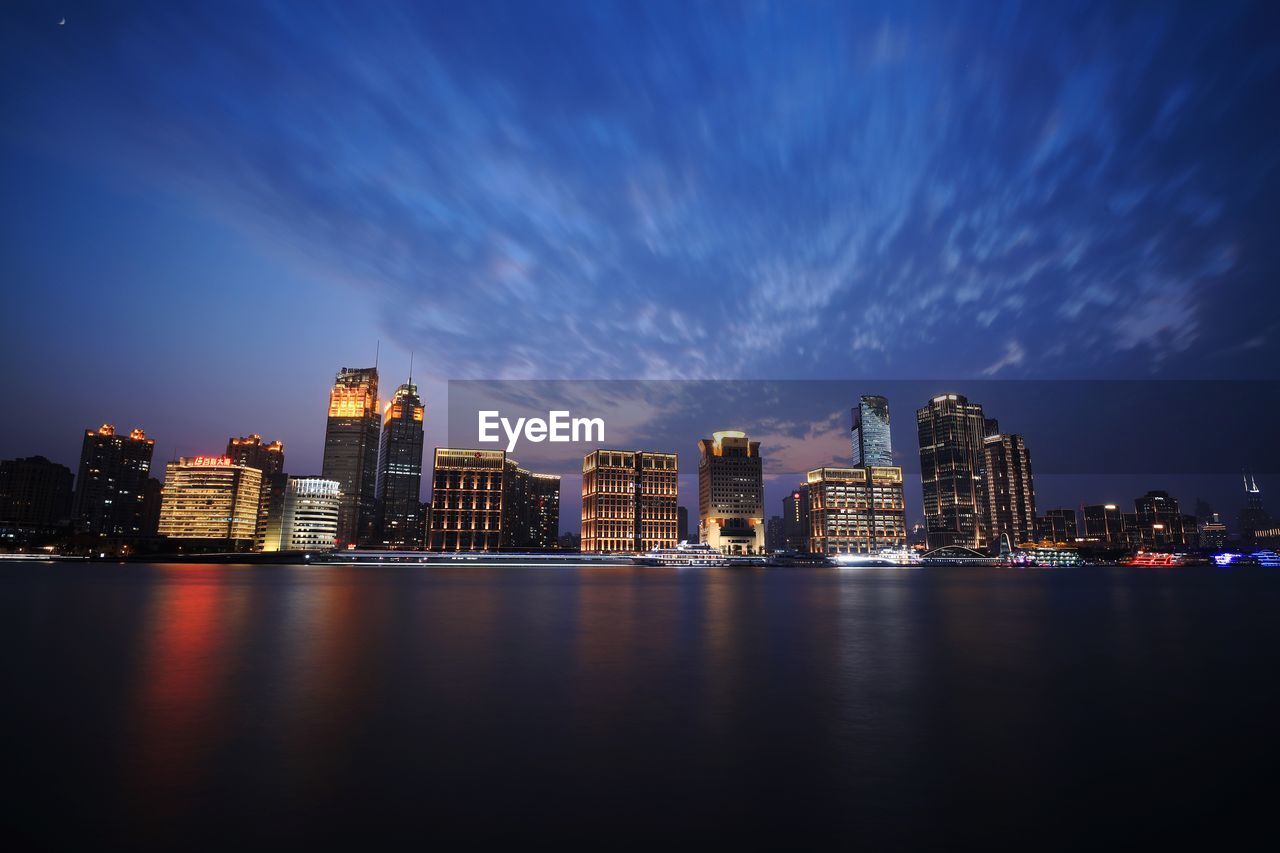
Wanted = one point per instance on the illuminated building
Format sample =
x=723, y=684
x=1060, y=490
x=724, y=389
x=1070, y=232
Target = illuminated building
x=308, y=516
x=1103, y=524
x=1157, y=523
x=483, y=501
x=399, y=486
x=731, y=493
x=531, y=510
x=112, y=487
x=269, y=459
x=1213, y=533
x=952, y=465
x=351, y=452
x=1057, y=525
x=630, y=501
x=211, y=498
x=858, y=510
x=872, y=445
x=1010, y=490
x=35, y=500
x=795, y=519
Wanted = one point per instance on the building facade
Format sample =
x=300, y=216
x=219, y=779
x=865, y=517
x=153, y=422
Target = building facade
x=630, y=501
x=399, y=486
x=351, y=452
x=35, y=500
x=1010, y=489
x=952, y=432
x=1157, y=523
x=872, y=445
x=1057, y=525
x=795, y=519
x=731, y=493
x=112, y=494
x=483, y=501
x=212, y=499
x=860, y=510
x=308, y=516
x=1103, y=525
x=267, y=457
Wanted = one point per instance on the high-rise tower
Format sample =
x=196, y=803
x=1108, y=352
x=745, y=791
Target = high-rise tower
x=952, y=465
x=731, y=493
x=112, y=486
x=870, y=435
x=351, y=452
x=400, y=519
x=267, y=457
x=1010, y=490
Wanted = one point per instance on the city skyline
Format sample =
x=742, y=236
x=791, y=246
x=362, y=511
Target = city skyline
x=863, y=193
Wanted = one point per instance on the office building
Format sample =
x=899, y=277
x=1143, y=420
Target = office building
x=35, y=500
x=870, y=435
x=1057, y=525
x=113, y=497
x=399, y=484
x=308, y=516
x=212, y=502
x=731, y=493
x=952, y=470
x=858, y=510
x=483, y=501
x=1158, y=524
x=682, y=524
x=1010, y=490
x=795, y=519
x=351, y=452
x=1103, y=524
x=630, y=501
x=267, y=457
x=1213, y=533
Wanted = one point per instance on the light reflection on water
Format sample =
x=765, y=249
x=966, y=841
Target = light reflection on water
x=276, y=701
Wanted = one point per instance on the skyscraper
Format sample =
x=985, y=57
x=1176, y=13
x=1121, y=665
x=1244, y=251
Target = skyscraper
x=870, y=435
x=682, y=524
x=1010, y=491
x=856, y=510
x=952, y=465
x=731, y=493
x=111, y=496
x=1254, y=517
x=268, y=458
x=212, y=500
x=351, y=452
x=399, y=485
x=630, y=500
x=795, y=518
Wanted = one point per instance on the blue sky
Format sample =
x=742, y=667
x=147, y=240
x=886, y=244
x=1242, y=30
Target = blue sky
x=209, y=209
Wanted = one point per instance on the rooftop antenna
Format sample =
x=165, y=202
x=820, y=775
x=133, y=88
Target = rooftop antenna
x=410, y=367
x=377, y=353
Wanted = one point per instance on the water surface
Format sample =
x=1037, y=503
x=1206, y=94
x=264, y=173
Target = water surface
x=169, y=705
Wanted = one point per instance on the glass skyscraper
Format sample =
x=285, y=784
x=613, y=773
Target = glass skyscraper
x=870, y=436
